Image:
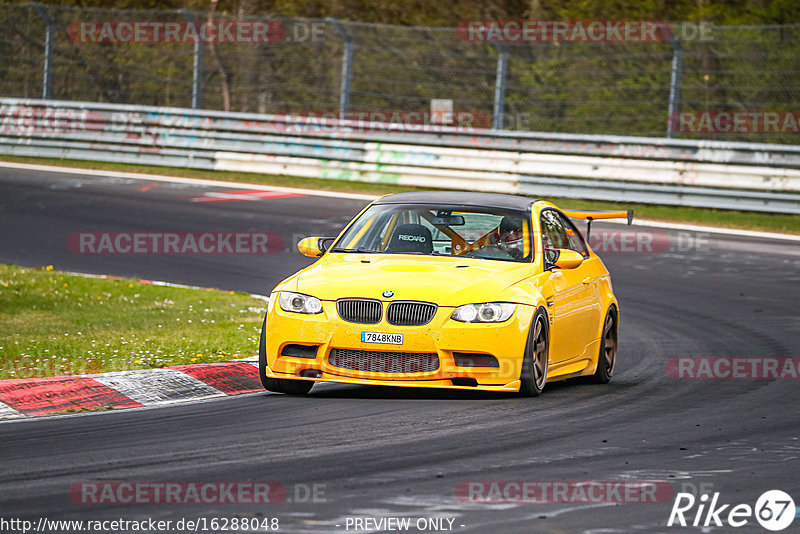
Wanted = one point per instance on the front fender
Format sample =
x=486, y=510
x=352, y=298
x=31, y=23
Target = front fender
x=528, y=293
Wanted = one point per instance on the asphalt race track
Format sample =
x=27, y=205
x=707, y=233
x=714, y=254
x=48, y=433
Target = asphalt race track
x=380, y=452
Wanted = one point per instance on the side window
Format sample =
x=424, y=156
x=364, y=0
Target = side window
x=554, y=235
x=573, y=236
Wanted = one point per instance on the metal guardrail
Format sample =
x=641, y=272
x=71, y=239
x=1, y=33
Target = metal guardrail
x=757, y=177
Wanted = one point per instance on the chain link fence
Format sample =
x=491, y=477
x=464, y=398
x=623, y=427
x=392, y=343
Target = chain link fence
x=328, y=66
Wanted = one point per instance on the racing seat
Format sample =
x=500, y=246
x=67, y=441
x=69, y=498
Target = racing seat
x=411, y=238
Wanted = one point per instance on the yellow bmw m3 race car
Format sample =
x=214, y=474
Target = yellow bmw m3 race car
x=445, y=290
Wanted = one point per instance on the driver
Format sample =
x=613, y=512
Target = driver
x=509, y=238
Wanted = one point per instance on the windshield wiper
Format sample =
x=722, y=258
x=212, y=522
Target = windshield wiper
x=418, y=253
x=357, y=249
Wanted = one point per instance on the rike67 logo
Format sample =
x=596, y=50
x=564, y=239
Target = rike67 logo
x=774, y=510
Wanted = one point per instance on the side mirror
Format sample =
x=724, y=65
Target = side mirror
x=568, y=259
x=314, y=247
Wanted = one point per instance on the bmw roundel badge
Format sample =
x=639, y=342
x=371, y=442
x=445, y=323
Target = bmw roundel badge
x=388, y=294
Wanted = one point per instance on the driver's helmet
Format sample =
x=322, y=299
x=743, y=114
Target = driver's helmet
x=510, y=236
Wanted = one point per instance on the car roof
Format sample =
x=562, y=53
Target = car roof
x=462, y=198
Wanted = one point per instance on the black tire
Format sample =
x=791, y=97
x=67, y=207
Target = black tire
x=607, y=357
x=536, y=361
x=278, y=385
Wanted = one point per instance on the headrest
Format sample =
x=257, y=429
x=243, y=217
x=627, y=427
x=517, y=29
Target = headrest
x=411, y=238
x=511, y=224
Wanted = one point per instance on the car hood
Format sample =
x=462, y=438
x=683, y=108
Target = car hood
x=447, y=281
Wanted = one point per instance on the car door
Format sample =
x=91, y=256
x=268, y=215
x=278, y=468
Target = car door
x=573, y=305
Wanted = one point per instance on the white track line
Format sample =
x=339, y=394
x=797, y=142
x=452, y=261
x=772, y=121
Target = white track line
x=706, y=229
x=158, y=283
x=181, y=180
x=335, y=194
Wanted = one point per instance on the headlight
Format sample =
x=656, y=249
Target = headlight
x=490, y=312
x=298, y=303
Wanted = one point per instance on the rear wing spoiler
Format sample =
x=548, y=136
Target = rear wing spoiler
x=594, y=215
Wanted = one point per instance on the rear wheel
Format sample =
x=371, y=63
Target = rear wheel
x=278, y=385
x=537, y=357
x=607, y=359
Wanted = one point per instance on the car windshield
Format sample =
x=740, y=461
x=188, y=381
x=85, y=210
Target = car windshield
x=440, y=230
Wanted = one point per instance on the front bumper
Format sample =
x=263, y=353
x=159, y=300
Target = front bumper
x=442, y=337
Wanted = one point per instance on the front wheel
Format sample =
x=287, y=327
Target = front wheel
x=607, y=358
x=277, y=385
x=537, y=357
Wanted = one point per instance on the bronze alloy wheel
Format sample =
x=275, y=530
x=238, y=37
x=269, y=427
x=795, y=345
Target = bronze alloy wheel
x=607, y=358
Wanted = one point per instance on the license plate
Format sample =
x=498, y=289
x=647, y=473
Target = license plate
x=378, y=337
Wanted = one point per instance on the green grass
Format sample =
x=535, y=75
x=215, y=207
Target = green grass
x=704, y=216
x=54, y=324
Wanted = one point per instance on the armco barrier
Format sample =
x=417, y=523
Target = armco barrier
x=758, y=177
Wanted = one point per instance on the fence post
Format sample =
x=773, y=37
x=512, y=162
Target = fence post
x=47, y=77
x=499, y=87
x=674, y=85
x=347, y=67
x=197, y=66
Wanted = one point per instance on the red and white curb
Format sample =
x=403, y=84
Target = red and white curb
x=33, y=397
